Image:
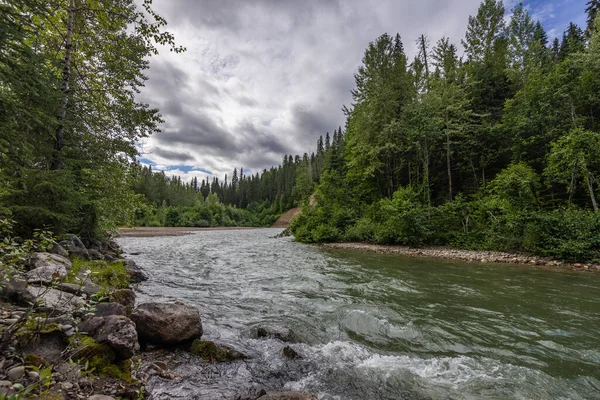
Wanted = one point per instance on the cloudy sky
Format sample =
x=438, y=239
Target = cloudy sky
x=264, y=78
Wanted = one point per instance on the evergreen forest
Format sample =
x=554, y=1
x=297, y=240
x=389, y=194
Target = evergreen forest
x=493, y=144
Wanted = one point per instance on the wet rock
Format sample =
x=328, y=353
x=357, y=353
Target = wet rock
x=117, y=331
x=136, y=274
x=15, y=373
x=125, y=297
x=288, y=396
x=213, y=352
x=164, y=323
x=290, y=353
x=252, y=393
x=106, y=309
x=88, y=288
x=276, y=332
x=38, y=260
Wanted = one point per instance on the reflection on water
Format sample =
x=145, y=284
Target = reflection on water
x=375, y=326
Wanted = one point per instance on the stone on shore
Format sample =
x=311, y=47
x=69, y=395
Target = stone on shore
x=87, y=287
x=167, y=323
x=125, y=297
x=117, y=331
x=106, y=309
x=38, y=260
x=54, y=299
x=46, y=273
x=136, y=274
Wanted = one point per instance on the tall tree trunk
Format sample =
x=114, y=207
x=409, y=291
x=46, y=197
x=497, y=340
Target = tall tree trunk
x=449, y=166
x=64, y=89
x=590, y=184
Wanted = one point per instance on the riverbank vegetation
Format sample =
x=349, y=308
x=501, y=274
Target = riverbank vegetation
x=495, y=150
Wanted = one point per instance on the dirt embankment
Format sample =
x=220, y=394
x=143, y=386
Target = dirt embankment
x=463, y=255
x=286, y=218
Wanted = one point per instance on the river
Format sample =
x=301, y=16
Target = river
x=374, y=326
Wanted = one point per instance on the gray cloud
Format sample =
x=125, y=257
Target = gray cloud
x=265, y=78
x=171, y=155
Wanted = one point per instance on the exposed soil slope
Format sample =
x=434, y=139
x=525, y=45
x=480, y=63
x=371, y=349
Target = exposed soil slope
x=286, y=218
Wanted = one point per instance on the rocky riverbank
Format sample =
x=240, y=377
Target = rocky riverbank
x=70, y=329
x=464, y=255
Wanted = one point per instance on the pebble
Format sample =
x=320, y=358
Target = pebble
x=33, y=375
x=100, y=397
x=66, y=386
x=5, y=387
x=16, y=373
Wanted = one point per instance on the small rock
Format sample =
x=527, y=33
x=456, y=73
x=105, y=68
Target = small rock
x=161, y=365
x=577, y=265
x=213, y=352
x=252, y=393
x=290, y=353
x=16, y=373
x=483, y=260
x=33, y=375
x=8, y=321
x=66, y=386
x=288, y=396
x=276, y=332
x=100, y=397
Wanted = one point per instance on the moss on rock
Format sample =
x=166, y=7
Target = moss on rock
x=212, y=352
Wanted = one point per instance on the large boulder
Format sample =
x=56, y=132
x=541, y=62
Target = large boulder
x=117, y=331
x=165, y=323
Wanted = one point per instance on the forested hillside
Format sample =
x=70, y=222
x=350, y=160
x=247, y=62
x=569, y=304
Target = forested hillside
x=497, y=149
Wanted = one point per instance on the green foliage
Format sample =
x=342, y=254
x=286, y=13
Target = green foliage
x=474, y=154
x=109, y=275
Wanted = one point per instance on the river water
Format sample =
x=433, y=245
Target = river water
x=374, y=326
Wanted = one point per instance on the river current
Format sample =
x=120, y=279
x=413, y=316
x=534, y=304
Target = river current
x=373, y=326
